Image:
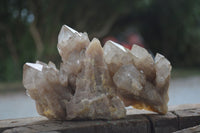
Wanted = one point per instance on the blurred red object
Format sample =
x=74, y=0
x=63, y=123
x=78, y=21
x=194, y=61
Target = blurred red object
x=127, y=46
x=135, y=39
x=110, y=38
x=130, y=40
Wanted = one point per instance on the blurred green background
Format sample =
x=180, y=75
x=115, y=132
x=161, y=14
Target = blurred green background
x=29, y=28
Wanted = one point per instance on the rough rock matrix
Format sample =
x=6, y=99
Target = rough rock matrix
x=95, y=82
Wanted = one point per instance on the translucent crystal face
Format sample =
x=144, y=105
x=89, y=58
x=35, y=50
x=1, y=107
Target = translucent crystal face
x=117, y=45
x=144, y=61
x=35, y=66
x=70, y=41
x=95, y=82
x=115, y=56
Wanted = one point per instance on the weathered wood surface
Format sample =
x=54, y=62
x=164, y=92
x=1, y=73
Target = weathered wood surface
x=195, y=129
x=136, y=121
x=163, y=123
x=188, y=118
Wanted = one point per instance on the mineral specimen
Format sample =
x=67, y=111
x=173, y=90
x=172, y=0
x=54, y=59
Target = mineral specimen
x=95, y=82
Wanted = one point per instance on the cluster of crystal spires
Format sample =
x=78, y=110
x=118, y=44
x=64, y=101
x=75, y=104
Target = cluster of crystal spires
x=95, y=82
x=140, y=81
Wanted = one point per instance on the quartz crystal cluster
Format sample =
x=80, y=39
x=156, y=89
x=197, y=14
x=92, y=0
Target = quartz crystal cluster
x=95, y=82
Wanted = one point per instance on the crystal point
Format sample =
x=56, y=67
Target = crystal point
x=115, y=56
x=70, y=41
x=141, y=55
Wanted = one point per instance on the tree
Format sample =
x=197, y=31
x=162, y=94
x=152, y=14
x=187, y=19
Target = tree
x=29, y=28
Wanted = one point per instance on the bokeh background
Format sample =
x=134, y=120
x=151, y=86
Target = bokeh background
x=29, y=30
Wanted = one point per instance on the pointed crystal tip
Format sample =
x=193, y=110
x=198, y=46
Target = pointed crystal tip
x=117, y=45
x=35, y=66
x=65, y=33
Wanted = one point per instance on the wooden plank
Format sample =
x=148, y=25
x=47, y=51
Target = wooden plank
x=195, y=129
x=163, y=123
x=142, y=121
x=10, y=123
x=188, y=118
x=184, y=107
x=136, y=124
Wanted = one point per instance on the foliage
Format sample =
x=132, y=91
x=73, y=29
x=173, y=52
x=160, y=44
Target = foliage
x=29, y=28
x=174, y=29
